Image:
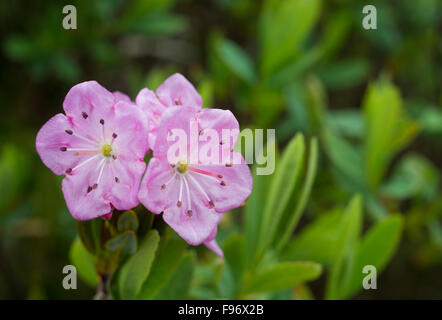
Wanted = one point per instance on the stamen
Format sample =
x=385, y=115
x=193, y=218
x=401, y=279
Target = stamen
x=84, y=162
x=229, y=164
x=163, y=186
x=89, y=189
x=201, y=190
x=117, y=180
x=189, y=211
x=95, y=186
x=86, y=153
x=85, y=139
x=216, y=175
x=223, y=183
x=63, y=149
x=84, y=114
x=70, y=132
x=178, y=204
x=69, y=170
x=102, y=121
x=101, y=166
x=114, y=135
x=114, y=157
x=201, y=132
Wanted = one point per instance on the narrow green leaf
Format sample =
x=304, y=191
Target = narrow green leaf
x=283, y=27
x=316, y=242
x=234, y=254
x=235, y=59
x=376, y=249
x=84, y=262
x=387, y=129
x=168, y=257
x=135, y=271
x=282, y=275
x=288, y=225
x=344, y=250
x=254, y=208
x=281, y=189
x=178, y=285
x=125, y=242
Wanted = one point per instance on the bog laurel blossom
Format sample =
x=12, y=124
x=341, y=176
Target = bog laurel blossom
x=100, y=142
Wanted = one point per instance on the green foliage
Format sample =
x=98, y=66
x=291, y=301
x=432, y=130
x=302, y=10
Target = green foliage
x=137, y=268
x=83, y=262
x=282, y=275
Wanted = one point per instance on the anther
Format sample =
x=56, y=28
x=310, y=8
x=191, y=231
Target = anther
x=223, y=183
x=163, y=186
x=69, y=170
x=229, y=164
x=89, y=189
x=177, y=102
x=63, y=148
x=68, y=131
x=211, y=204
x=101, y=121
x=117, y=180
x=84, y=114
x=95, y=186
x=114, y=157
x=114, y=135
x=201, y=132
x=189, y=213
x=178, y=204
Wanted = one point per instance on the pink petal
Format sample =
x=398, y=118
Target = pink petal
x=120, y=96
x=173, y=118
x=194, y=229
x=125, y=191
x=130, y=125
x=211, y=243
x=51, y=137
x=86, y=104
x=149, y=103
x=84, y=205
x=177, y=90
x=238, y=184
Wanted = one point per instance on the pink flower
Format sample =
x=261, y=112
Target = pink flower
x=174, y=91
x=99, y=145
x=194, y=196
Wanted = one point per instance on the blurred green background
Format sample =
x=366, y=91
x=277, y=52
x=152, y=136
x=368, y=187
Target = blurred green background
x=372, y=98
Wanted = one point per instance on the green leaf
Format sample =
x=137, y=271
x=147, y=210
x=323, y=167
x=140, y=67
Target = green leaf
x=125, y=242
x=282, y=275
x=89, y=232
x=178, y=285
x=234, y=254
x=235, y=59
x=135, y=271
x=316, y=242
x=283, y=27
x=83, y=262
x=345, y=74
x=168, y=257
x=128, y=221
x=387, y=129
x=344, y=250
x=413, y=176
x=289, y=223
x=254, y=209
x=376, y=249
x=281, y=189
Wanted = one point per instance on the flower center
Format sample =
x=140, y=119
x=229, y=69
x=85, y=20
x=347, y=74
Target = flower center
x=182, y=167
x=107, y=149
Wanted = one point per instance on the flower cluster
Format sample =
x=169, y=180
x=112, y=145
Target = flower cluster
x=99, y=144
